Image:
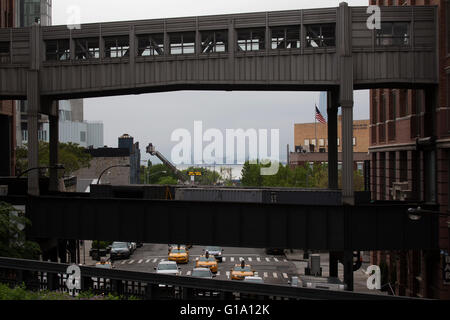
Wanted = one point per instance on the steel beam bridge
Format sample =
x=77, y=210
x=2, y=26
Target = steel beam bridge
x=252, y=225
x=329, y=49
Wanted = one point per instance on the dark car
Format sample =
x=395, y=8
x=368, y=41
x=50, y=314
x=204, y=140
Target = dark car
x=120, y=250
x=215, y=251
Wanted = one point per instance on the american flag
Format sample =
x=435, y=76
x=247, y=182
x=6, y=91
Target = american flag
x=319, y=117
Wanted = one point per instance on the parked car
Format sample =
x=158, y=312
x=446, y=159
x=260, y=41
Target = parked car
x=215, y=251
x=132, y=246
x=120, y=250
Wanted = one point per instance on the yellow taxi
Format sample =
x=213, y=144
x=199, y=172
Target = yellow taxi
x=179, y=255
x=240, y=271
x=207, y=261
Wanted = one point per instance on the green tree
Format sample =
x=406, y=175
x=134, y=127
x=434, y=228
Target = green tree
x=13, y=242
x=168, y=181
x=71, y=155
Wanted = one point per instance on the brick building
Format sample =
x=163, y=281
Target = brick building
x=409, y=150
x=7, y=107
x=311, y=143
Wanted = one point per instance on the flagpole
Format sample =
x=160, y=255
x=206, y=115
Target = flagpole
x=315, y=126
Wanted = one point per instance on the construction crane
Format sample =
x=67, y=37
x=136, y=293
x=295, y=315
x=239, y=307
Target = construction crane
x=152, y=151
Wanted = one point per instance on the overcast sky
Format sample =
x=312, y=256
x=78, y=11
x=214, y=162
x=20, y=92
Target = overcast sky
x=153, y=117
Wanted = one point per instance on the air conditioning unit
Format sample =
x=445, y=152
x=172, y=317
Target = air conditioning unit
x=400, y=191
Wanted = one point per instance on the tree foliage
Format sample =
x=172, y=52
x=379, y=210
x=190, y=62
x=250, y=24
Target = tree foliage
x=71, y=155
x=13, y=242
x=306, y=176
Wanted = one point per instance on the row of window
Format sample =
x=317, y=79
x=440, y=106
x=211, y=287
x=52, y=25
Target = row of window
x=288, y=37
x=323, y=142
x=184, y=43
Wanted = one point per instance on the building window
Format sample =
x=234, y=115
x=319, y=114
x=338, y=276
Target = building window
x=117, y=47
x=393, y=34
x=83, y=136
x=286, y=37
x=214, y=41
x=251, y=39
x=87, y=48
x=321, y=35
x=57, y=50
x=383, y=108
x=354, y=141
x=4, y=52
x=150, y=45
x=182, y=43
x=338, y=141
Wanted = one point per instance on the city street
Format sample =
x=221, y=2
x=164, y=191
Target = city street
x=273, y=269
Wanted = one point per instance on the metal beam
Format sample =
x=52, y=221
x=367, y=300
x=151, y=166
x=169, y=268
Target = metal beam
x=254, y=225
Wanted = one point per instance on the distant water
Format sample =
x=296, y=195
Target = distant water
x=223, y=169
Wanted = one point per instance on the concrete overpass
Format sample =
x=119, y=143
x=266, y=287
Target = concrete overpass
x=329, y=49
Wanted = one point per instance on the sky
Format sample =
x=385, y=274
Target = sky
x=153, y=117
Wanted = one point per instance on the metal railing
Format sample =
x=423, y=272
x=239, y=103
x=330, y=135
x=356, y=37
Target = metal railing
x=39, y=276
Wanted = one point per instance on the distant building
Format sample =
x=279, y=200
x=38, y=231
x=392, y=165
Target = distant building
x=311, y=143
x=126, y=141
x=127, y=153
x=7, y=107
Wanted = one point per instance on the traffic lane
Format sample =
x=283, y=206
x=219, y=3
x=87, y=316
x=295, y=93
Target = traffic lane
x=273, y=269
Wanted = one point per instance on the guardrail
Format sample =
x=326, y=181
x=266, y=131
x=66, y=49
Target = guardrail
x=39, y=275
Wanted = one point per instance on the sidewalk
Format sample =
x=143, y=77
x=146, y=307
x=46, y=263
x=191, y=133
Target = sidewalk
x=360, y=278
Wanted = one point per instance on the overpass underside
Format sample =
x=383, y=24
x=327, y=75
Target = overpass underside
x=251, y=225
x=330, y=49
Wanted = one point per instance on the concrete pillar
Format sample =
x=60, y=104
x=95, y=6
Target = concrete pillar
x=34, y=101
x=332, y=111
x=344, y=32
x=347, y=154
x=33, y=127
x=54, y=138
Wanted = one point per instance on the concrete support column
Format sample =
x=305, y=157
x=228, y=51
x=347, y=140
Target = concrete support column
x=332, y=111
x=54, y=139
x=344, y=32
x=33, y=97
x=334, y=260
x=347, y=154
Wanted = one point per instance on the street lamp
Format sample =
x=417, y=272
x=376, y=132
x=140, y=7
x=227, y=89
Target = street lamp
x=115, y=166
x=57, y=166
x=416, y=214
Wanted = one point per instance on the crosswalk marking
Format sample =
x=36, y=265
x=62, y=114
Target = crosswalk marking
x=154, y=260
x=275, y=275
x=249, y=259
x=224, y=259
x=140, y=261
x=228, y=274
x=285, y=275
x=258, y=259
x=218, y=273
x=188, y=273
x=267, y=259
x=123, y=262
x=131, y=261
x=284, y=260
x=265, y=275
x=147, y=261
x=240, y=258
x=276, y=260
x=232, y=259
